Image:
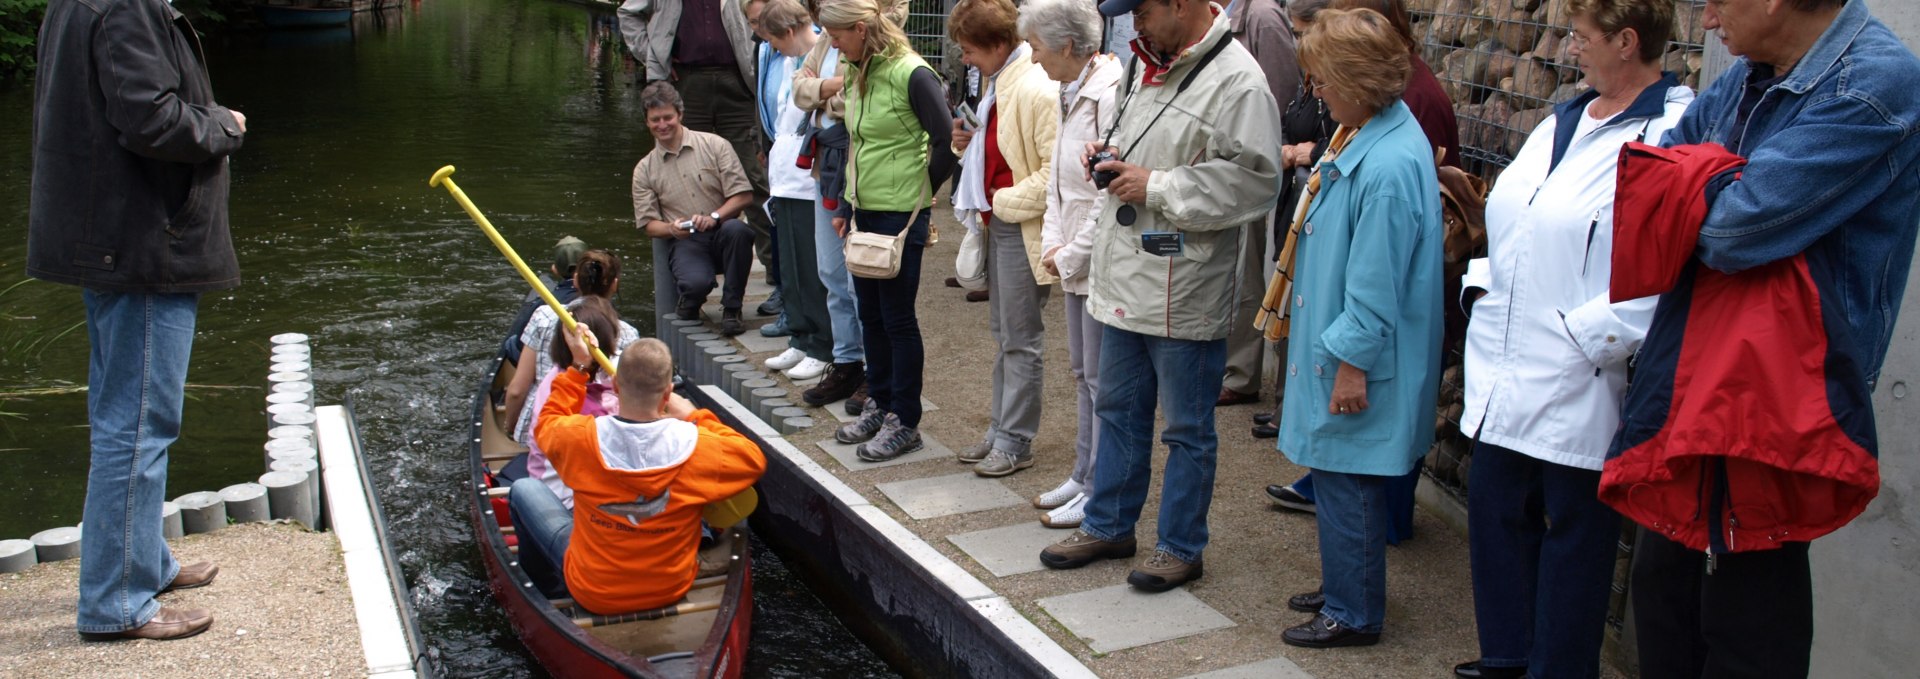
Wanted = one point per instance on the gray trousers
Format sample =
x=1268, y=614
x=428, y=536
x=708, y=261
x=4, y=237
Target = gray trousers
x=1013, y=312
x=1083, y=352
x=1245, y=347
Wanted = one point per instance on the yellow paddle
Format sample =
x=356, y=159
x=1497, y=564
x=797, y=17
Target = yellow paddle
x=445, y=178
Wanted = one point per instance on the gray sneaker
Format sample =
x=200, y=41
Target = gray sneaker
x=863, y=427
x=1002, y=463
x=975, y=453
x=895, y=439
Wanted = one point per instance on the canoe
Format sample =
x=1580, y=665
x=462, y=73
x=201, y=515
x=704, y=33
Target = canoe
x=291, y=16
x=703, y=637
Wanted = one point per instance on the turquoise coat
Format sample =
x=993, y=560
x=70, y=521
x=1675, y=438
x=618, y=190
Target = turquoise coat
x=1367, y=291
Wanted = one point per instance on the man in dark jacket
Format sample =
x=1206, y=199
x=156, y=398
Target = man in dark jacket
x=129, y=202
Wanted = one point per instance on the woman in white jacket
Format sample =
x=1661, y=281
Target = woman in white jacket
x=1547, y=354
x=1064, y=36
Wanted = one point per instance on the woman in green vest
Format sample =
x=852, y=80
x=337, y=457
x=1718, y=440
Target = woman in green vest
x=900, y=130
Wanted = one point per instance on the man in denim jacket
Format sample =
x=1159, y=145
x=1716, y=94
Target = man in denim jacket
x=1822, y=104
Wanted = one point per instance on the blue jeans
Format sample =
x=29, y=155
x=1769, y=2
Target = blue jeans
x=1542, y=546
x=136, y=385
x=545, y=526
x=1400, y=490
x=896, y=356
x=1184, y=377
x=831, y=256
x=1353, y=548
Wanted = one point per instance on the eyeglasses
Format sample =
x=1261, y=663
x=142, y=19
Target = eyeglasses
x=1580, y=40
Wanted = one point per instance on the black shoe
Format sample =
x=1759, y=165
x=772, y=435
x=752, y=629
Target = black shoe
x=1287, y=497
x=1266, y=431
x=1473, y=670
x=772, y=306
x=841, y=381
x=1311, y=602
x=1323, y=632
x=689, y=309
x=730, y=324
x=1263, y=418
x=858, y=401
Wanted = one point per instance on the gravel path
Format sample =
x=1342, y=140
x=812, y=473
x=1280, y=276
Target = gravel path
x=280, y=605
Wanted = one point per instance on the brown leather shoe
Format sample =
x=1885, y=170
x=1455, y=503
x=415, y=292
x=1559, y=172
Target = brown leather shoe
x=953, y=282
x=170, y=623
x=1229, y=397
x=1080, y=549
x=193, y=575
x=978, y=296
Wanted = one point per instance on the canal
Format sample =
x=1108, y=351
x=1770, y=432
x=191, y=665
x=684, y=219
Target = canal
x=339, y=237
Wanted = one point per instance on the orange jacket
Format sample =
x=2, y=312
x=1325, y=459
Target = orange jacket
x=638, y=489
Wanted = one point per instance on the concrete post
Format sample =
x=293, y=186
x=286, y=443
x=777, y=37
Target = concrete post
x=290, y=495
x=171, y=526
x=202, y=512
x=17, y=555
x=246, y=502
x=308, y=466
x=57, y=544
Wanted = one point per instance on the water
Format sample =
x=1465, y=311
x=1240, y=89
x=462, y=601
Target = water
x=340, y=237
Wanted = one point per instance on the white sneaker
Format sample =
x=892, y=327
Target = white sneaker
x=809, y=368
x=1058, y=496
x=787, y=359
x=1068, y=515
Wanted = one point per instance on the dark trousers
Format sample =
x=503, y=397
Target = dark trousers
x=696, y=259
x=1752, y=617
x=719, y=102
x=805, y=296
x=896, y=356
x=1542, y=545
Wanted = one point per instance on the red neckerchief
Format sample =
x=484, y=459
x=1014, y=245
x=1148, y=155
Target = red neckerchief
x=1157, y=64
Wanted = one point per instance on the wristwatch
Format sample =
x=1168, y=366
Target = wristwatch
x=715, y=215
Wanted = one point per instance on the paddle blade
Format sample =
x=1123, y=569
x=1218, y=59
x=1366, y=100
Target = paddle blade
x=731, y=511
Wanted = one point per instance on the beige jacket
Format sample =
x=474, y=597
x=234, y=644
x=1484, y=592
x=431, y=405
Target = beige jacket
x=1026, y=104
x=1073, y=204
x=1215, y=161
x=649, y=26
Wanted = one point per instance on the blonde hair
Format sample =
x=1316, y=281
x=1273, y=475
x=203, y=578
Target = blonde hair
x=885, y=36
x=1358, y=53
x=646, y=371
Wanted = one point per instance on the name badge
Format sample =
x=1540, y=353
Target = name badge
x=1163, y=244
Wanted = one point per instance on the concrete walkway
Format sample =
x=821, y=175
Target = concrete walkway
x=281, y=609
x=1228, y=623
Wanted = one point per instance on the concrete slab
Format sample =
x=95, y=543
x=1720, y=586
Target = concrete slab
x=1277, y=668
x=947, y=495
x=839, y=409
x=1119, y=617
x=930, y=449
x=1009, y=550
x=754, y=343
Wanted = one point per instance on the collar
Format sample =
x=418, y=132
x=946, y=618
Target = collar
x=1826, y=51
x=1101, y=72
x=1395, y=115
x=1157, y=66
x=1019, y=54
x=686, y=142
x=1652, y=103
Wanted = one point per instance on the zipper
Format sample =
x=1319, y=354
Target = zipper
x=1587, y=260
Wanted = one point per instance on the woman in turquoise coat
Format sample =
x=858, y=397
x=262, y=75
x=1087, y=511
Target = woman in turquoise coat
x=1363, y=366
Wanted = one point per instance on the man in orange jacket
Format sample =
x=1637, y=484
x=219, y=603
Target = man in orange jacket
x=640, y=479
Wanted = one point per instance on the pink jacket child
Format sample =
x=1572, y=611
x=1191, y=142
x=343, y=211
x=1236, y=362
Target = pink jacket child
x=600, y=401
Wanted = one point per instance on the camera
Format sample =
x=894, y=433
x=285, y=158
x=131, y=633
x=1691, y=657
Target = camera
x=686, y=224
x=1101, y=178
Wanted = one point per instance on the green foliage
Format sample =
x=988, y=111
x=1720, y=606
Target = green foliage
x=19, y=25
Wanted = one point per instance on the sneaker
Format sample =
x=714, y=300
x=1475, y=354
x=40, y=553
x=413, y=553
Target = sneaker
x=1002, y=463
x=778, y=328
x=861, y=428
x=1080, y=549
x=841, y=381
x=773, y=304
x=895, y=439
x=730, y=324
x=808, y=368
x=1060, y=495
x=1287, y=497
x=787, y=359
x=1068, y=515
x=975, y=453
x=1163, y=571
x=858, y=401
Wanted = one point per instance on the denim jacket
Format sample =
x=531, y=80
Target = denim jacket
x=1830, y=172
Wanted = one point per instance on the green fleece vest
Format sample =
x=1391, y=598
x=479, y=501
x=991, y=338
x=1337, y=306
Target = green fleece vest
x=889, y=148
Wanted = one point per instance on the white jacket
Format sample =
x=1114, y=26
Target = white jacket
x=1073, y=204
x=1546, y=353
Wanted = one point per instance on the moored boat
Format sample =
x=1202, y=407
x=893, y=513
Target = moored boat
x=704, y=636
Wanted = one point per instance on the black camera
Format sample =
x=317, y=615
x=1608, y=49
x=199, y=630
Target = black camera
x=1101, y=178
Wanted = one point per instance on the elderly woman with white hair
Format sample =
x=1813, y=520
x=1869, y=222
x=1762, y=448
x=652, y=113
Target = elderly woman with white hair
x=1064, y=36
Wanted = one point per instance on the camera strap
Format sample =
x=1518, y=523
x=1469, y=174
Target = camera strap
x=1133, y=88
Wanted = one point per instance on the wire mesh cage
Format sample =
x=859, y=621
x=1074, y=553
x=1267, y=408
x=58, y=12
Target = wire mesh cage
x=927, y=32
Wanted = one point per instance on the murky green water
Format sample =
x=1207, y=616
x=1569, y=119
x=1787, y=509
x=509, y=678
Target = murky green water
x=339, y=237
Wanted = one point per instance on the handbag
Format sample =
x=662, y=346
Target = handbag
x=876, y=256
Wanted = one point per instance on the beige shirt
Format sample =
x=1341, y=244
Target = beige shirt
x=673, y=184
